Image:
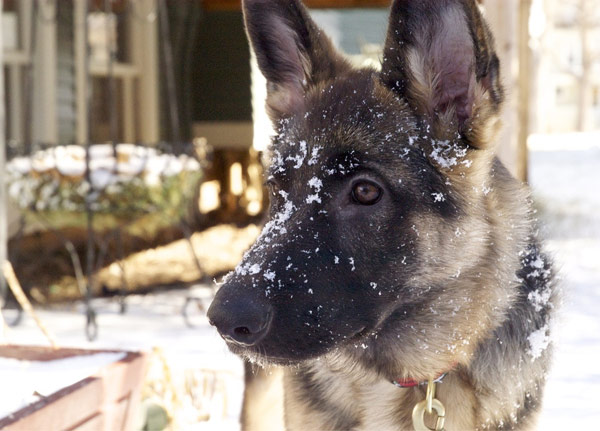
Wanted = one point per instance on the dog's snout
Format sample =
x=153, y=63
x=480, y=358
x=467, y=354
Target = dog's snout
x=240, y=320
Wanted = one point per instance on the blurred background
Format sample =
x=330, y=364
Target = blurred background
x=131, y=177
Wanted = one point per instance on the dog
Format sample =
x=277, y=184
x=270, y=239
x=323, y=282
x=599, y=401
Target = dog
x=399, y=251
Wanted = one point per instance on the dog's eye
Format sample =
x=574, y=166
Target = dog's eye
x=366, y=193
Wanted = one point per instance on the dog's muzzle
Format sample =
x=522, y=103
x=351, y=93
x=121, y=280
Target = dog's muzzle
x=239, y=319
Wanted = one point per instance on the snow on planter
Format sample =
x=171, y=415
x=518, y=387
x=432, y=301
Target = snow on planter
x=54, y=179
x=69, y=388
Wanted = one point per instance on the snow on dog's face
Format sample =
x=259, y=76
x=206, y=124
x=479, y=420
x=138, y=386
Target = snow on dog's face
x=324, y=267
x=369, y=174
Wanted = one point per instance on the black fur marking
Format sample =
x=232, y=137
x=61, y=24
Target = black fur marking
x=313, y=392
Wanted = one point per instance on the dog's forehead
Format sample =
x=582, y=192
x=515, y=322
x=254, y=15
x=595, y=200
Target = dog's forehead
x=345, y=117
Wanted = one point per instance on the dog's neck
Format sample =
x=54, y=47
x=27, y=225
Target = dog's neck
x=407, y=382
x=330, y=398
x=336, y=392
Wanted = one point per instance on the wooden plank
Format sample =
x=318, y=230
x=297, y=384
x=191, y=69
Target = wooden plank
x=524, y=89
x=143, y=38
x=105, y=401
x=121, y=400
x=60, y=410
x=45, y=126
x=504, y=17
x=225, y=134
x=235, y=5
x=128, y=101
x=3, y=197
x=81, y=81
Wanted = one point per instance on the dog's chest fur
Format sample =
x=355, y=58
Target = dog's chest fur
x=332, y=397
x=331, y=400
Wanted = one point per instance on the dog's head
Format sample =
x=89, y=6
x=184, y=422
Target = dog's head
x=373, y=181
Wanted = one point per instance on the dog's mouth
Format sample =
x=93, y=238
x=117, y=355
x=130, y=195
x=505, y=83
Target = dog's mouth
x=264, y=353
x=258, y=355
x=255, y=356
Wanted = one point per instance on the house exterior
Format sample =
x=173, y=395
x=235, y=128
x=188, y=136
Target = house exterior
x=50, y=70
x=143, y=89
x=152, y=71
x=560, y=66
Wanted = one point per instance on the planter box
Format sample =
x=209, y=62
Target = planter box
x=105, y=401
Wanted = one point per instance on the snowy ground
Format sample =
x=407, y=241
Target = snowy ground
x=565, y=175
x=156, y=321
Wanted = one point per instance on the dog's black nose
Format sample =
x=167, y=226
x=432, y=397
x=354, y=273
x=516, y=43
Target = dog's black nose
x=240, y=320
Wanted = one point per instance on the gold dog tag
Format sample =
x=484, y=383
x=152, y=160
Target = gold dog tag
x=429, y=404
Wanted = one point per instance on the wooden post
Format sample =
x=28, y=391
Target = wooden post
x=3, y=212
x=143, y=48
x=15, y=83
x=81, y=70
x=128, y=109
x=45, y=125
x=16, y=129
x=509, y=20
x=525, y=67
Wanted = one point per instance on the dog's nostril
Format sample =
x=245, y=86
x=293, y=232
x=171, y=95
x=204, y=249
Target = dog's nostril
x=240, y=320
x=242, y=330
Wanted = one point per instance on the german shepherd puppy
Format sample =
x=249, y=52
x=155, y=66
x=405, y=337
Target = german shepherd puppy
x=398, y=247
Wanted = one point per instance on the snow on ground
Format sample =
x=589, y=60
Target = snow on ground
x=565, y=175
x=155, y=321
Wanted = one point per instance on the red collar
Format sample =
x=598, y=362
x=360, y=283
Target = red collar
x=409, y=383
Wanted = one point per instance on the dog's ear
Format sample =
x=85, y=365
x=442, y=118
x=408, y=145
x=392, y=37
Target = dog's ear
x=292, y=52
x=439, y=56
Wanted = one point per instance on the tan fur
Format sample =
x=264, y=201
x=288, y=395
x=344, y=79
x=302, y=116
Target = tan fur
x=263, y=401
x=382, y=406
